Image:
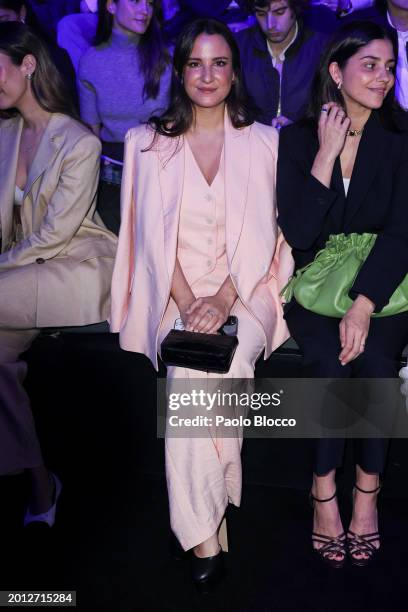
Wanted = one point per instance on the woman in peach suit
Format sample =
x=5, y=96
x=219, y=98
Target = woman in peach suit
x=198, y=241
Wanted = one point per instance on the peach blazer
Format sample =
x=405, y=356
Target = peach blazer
x=259, y=261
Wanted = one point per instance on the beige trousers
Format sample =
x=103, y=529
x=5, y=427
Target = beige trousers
x=19, y=447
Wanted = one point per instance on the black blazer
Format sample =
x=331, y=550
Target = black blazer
x=377, y=202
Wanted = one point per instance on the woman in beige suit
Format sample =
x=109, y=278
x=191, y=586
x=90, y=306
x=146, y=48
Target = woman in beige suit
x=198, y=240
x=56, y=260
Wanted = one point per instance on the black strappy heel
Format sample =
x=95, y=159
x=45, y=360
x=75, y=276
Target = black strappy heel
x=331, y=547
x=363, y=544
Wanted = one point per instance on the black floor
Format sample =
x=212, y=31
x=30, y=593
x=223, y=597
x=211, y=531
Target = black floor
x=95, y=409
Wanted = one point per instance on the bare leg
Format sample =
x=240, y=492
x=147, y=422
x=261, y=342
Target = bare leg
x=326, y=520
x=365, y=516
x=209, y=548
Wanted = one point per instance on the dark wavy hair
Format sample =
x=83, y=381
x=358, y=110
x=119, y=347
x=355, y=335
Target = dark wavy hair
x=153, y=54
x=345, y=43
x=296, y=6
x=179, y=116
x=18, y=40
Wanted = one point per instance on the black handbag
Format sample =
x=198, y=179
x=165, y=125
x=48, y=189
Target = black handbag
x=207, y=352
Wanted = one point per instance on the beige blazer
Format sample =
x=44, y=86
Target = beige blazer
x=68, y=250
x=259, y=261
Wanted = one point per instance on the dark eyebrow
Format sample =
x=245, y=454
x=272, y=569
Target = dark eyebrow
x=377, y=58
x=198, y=59
x=276, y=8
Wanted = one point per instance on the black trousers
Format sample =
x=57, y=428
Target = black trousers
x=319, y=340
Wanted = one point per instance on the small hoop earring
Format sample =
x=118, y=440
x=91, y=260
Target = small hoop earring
x=339, y=84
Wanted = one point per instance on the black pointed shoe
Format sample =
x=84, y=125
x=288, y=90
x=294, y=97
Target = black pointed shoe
x=207, y=572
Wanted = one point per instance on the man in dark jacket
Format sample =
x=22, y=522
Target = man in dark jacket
x=279, y=56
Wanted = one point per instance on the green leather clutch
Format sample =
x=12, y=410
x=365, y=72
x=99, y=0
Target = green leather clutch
x=323, y=285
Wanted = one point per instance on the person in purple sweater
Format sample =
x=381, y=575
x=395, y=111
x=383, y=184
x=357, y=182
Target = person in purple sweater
x=123, y=80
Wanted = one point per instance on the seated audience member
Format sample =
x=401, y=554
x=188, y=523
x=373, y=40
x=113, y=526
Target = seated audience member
x=56, y=258
x=183, y=233
x=393, y=15
x=343, y=172
x=76, y=32
x=19, y=10
x=123, y=80
x=279, y=57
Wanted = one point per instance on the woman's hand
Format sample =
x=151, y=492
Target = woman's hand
x=354, y=328
x=207, y=314
x=183, y=307
x=332, y=130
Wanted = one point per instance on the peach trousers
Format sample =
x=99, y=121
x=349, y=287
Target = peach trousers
x=204, y=473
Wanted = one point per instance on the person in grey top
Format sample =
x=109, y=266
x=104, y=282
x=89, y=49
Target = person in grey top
x=123, y=80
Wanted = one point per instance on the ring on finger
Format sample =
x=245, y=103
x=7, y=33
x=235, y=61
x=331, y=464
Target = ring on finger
x=324, y=109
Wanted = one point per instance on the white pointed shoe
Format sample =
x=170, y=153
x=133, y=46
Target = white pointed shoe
x=49, y=516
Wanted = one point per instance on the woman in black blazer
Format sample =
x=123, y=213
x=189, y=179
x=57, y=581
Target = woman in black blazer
x=354, y=131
